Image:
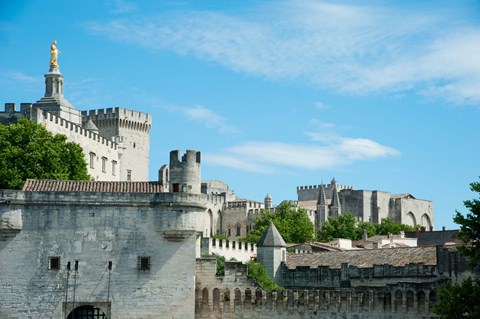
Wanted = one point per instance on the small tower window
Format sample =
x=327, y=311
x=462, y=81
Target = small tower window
x=104, y=164
x=129, y=175
x=54, y=263
x=144, y=263
x=92, y=160
x=239, y=229
x=114, y=168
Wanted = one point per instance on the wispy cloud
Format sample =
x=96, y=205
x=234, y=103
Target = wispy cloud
x=198, y=114
x=208, y=117
x=346, y=47
x=321, y=152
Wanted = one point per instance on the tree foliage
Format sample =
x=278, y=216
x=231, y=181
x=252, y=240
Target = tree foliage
x=346, y=226
x=462, y=300
x=292, y=223
x=459, y=301
x=28, y=150
x=470, y=227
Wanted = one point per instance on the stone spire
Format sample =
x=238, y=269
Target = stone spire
x=322, y=208
x=335, y=207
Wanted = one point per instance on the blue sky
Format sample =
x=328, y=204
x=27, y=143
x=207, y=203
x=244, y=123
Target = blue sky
x=378, y=94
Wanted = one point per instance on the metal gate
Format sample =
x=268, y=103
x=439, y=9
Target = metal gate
x=86, y=312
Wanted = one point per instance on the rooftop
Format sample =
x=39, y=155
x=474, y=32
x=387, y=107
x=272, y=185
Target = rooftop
x=365, y=258
x=39, y=185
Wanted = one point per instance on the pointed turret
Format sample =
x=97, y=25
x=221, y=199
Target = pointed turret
x=90, y=126
x=335, y=207
x=322, y=207
x=271, y=252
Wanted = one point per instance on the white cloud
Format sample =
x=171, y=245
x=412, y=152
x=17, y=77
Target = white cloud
x=346, y=47
x=321, y=106
x=208, y=117
x=321, y=153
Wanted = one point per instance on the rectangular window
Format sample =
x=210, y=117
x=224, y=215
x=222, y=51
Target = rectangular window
x=144, y=263
x=104, y=164
x=114, y=168
x=92, y=160
x=54, y=263
x=129, y=175
x=238, y=230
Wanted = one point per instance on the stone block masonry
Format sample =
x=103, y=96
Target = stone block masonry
x=149, y=238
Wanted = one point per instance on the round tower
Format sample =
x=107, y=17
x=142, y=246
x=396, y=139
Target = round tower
x=268, y=201
x=185, y=173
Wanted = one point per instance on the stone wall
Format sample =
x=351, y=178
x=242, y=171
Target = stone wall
x=229, y=249
x=236, y=296
x=95, y=229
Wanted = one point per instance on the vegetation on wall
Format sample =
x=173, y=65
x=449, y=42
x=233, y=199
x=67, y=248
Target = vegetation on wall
x=292, y=223
x=258, y=272
x=462, y=300
x=28, y=150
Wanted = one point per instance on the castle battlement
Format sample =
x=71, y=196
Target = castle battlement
x=241, y=251
x=242, y=204
x=74, y=128
x=119, y=116
x=11, y=108
x=327, y=186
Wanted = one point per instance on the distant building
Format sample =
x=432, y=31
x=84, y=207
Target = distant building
x=333, y=200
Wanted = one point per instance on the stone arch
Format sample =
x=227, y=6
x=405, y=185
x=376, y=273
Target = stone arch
x=219, y=221
x=216, y=299
x=197, y=300
x=226, y=300
x=237, y=302
x=210, y=224
x=269, y=299
x=398, y=301
x=205, y=299
x=258, y=297
x=248, y=298
x=421, y=299
x=410, y=301
x=410, y=219
x=426, y=222
x=387, y=301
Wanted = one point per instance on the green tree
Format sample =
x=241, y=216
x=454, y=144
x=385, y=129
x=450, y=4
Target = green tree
x=346, y=226
x=470, y=227
x=292, y=223
x=388, y=226
x=28, y=150
x=459, y=301
x=462, y=300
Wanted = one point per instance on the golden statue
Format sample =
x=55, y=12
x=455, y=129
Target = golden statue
x=54, y=55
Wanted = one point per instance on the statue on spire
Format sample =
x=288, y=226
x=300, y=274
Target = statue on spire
x=54, y=51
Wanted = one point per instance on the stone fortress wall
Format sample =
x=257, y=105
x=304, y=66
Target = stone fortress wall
x=235, y=295
x=151, y=240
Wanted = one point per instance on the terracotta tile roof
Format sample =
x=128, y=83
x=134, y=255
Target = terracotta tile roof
x=37, y=185
x=365, y=258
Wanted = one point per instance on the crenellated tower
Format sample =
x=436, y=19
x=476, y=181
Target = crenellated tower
x=131, y=130
x=185, y=173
